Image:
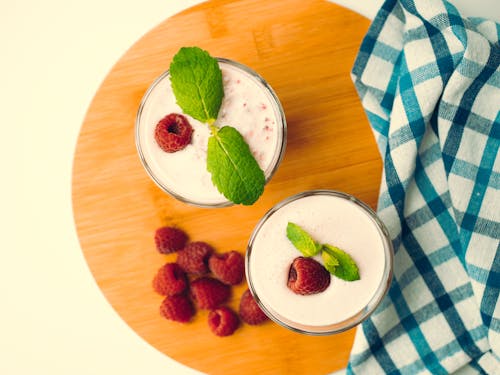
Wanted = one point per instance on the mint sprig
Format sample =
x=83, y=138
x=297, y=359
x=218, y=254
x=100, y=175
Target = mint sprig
x=335, y=260
x=302, y=240
x=196, y=81
x=234, y=170
x=345, y=268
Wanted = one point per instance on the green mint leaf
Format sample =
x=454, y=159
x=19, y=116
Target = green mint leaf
x=235, y=172
x=330, y=262
x=196, y=81
x=346, y=269
x=302, y=240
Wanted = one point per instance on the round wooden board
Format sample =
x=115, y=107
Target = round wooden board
x=305, y=50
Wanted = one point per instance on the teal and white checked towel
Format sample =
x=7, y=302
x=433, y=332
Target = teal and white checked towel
x=429, y=80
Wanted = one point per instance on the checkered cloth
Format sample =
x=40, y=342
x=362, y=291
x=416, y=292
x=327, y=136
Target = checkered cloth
x=429, y=80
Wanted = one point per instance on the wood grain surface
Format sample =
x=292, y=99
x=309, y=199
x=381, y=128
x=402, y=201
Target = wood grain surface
x=305, y=50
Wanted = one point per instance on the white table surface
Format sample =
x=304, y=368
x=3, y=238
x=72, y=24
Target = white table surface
x=54, y=54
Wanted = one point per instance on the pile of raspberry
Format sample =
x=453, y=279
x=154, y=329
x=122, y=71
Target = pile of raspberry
x=201, y=278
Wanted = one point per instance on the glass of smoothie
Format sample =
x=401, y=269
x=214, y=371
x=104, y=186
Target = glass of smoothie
x=333, y=218
x=250, y=105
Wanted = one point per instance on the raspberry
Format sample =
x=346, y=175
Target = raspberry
x=173, y=132
x=177, y=308
x=307, y=276
x=169, y=239
x=223, y=321
x=209, y=292
x=228, y=267
x=250, y=311
x=194, y=257
x=170, y=279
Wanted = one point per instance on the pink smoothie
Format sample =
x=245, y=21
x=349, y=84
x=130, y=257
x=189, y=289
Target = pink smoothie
x=249, y=105
x=329, y=219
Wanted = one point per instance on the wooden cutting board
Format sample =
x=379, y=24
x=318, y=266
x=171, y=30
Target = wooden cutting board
x=305, y=50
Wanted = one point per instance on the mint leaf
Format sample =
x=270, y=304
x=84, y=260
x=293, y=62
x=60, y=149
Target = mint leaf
x=302, y=240
x=196, y=81
x=235, y=172
x=330, y=262
x=346, y=269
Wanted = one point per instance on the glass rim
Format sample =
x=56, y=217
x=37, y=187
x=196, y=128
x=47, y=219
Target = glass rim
x=277, y=156
x=371, y=305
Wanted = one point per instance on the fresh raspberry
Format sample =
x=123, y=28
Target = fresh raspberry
x=170, y=279
x=307, y=276
x=177, y=308
x=250, y=311
x=194, y=257
x=208, y=293
x=228, y=267
x=169, y=239
x=173, y=132
x=223, y=321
